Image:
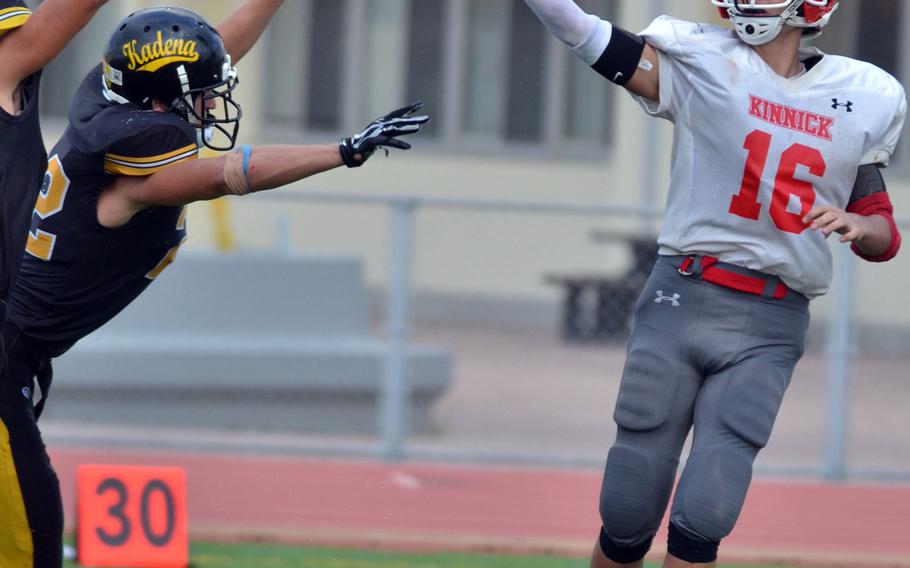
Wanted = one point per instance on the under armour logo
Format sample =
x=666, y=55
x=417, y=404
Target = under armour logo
x=837, y=104
x=673, y=300
x=27, y=393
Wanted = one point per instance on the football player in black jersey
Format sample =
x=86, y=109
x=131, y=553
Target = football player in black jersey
x=28, y=42
x=110, y=216
x=108, y=138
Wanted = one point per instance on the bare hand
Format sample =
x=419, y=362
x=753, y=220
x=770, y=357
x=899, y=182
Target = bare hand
x=829, y=219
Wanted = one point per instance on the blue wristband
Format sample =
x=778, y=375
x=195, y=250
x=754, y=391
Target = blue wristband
x=246, y=160
x=246, y=165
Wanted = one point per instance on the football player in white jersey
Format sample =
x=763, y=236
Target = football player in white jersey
x=777, y=146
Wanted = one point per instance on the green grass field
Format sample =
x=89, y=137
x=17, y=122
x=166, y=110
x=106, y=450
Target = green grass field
x=210, y=555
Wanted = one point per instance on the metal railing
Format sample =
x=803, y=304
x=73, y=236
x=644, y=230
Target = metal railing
x=403, y=208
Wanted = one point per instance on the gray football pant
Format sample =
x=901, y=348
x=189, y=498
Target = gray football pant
x=705, y=356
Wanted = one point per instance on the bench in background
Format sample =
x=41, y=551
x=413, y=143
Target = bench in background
x=246, y=342
x=597, y=307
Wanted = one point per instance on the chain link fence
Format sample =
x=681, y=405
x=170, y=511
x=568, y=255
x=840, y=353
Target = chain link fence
x=521, y=311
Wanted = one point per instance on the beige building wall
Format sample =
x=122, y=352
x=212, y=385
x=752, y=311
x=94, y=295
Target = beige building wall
x=465, y=253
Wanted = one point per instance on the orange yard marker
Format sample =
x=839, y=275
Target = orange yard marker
x=131, y=516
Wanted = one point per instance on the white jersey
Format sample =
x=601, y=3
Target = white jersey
x=753, y=152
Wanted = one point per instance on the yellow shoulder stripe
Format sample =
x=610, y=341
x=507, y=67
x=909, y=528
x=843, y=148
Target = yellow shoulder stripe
x=13, y=17
x=146, y=166
x=122, y=169
x=6, y=11
x=152, y=159
x=16, y=546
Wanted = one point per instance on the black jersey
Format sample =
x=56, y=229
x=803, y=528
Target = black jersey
x=76, y=274
x=22, y=164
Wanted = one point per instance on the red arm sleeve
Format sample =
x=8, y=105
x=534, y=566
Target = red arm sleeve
x=877, y=204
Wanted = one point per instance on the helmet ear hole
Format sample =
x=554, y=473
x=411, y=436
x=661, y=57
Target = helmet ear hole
x=176, y=28
x=147, y=29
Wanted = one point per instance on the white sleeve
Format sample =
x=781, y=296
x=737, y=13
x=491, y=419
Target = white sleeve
x=570, y=24
x=673, y=36
x=596, y=44
x=881, y=151
x=662, y=35
x=678, y=51
x=665, y=107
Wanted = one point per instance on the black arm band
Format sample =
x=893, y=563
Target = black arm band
x=620, y=60
x=869, y=181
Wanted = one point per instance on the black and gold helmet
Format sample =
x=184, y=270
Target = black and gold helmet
x=174, y=56
x=13, y=13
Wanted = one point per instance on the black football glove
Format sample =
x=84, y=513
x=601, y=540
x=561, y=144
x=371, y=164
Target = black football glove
x=383, y=131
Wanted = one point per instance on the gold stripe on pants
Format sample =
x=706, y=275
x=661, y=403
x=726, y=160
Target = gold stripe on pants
x=16, y=549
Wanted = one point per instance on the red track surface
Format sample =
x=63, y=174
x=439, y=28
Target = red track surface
x=418, y=506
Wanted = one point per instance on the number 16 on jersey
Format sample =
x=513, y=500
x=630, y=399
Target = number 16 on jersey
x=745, y=204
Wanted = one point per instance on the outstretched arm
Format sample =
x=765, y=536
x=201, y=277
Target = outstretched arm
x=248, y=170
x=242, y=29
x=268, y=167
x=32, y=46
x=565, y=20
x=615, y=53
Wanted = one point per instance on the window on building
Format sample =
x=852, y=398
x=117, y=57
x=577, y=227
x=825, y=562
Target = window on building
x=426, y=29
x=885, y=44
x=326, y=59
x=488, y=72
x=64, y=74
x=877, y=31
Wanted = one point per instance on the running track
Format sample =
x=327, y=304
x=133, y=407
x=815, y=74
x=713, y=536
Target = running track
x=443, y=507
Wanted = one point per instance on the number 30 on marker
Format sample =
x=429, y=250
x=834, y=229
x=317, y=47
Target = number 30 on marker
x=132, y=516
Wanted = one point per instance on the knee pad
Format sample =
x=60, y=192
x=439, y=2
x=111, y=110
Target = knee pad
x=752, y=401
x=711, y=497
x=622, y=554
x=635, y=491
x=650, y=380
x=691, y=549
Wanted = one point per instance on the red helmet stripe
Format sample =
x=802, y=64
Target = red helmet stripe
x=814, y=14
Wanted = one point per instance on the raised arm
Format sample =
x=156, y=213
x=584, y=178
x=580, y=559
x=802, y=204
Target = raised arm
x=618, y=55
x=32, y=46
x=242, y=29
x=248, y=170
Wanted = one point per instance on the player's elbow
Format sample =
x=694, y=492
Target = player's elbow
x=890, y=235
x=883, y=240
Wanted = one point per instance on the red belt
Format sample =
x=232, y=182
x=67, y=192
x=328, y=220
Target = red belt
x=730, y=276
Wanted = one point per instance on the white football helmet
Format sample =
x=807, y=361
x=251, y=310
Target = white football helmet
x=756, y=27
